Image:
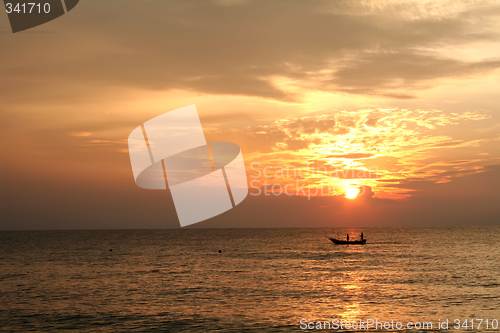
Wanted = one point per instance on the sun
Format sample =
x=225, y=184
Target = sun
x=351, y=193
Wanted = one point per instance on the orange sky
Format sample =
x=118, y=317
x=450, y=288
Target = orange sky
x=401, y=94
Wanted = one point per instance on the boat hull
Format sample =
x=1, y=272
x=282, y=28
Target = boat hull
x=343, y=242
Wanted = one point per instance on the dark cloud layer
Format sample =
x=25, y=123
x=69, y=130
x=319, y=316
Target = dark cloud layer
x=215, y=47
x=388, y=73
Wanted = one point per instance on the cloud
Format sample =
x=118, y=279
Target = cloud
x=241, y=47
x=395, y=74
x=340, y=149
x=77, y=134
x=365, y=192
x=351, y=156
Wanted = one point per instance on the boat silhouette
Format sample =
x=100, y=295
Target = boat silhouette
x=346, y=242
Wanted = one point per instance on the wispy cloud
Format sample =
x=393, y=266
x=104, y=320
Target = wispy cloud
x=356, y=146
x=79, y=134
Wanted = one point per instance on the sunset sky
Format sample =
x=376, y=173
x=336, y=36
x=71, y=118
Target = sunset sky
x=399, y=98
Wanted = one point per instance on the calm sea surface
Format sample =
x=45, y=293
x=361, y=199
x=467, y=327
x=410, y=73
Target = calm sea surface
x=264, y=280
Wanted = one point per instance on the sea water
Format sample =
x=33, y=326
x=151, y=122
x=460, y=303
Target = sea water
x=262, y=279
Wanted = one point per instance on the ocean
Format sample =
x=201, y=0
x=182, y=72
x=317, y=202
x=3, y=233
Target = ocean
x=263, y=280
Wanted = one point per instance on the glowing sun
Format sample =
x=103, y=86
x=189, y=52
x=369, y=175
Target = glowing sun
x=351, y=193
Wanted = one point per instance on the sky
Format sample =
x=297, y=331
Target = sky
x=373, y=113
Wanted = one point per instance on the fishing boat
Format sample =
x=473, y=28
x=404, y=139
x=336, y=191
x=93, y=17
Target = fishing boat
x=346, y=242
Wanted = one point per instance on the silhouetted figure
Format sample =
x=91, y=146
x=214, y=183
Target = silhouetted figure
x=347, y=237
x=361, y=236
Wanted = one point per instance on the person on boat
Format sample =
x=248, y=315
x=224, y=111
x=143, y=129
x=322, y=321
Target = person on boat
x=361, y=236
x=347, y=237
